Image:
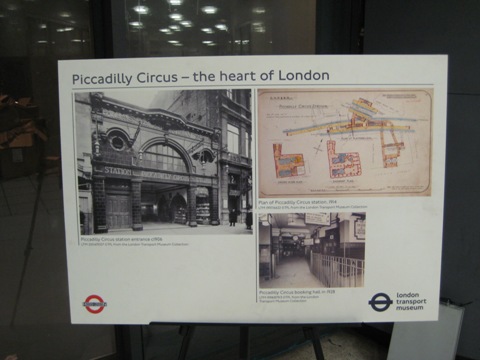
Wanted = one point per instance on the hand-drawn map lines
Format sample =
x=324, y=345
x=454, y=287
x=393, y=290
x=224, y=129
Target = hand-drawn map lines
x=363, y=120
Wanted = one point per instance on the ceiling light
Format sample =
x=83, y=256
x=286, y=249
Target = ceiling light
x=258, y=10
x=221, y=27
x=175, y=2
x=186, y=23
x=176, y=16
x=166, y=31
x=136, y=24
x=175, y=43
x=141, y=9
x=175, y=27
x=207, y=30
x=209, y=9
x=42, y=26
x=64, y=14
x=206, y=42
x=258, y=27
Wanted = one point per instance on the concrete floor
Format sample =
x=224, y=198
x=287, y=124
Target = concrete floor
x=154, y=228
x=340, y=344
x=292, y=272
x=283, y=342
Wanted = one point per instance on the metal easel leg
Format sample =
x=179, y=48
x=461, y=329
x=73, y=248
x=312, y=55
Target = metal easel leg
x=311, y=333
x=28, y=247
x=244, y=342
x=187, y=332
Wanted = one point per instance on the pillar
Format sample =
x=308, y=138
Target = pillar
x=213, y=192
x=99, y=205
x=192, y=205
x=224, y=180
x=137, y=205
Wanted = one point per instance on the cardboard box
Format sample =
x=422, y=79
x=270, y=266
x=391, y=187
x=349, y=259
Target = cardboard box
x=22, y=140
x=21, y=155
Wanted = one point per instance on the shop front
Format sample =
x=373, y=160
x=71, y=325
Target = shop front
x=128, y=198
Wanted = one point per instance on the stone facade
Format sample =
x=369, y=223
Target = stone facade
x=166, y=163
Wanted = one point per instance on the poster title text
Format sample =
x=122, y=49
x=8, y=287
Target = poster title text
x=145, y=78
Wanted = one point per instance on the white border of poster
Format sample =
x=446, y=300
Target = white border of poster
x=379, y=125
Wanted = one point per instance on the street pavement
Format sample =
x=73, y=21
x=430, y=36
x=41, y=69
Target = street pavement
x=153, y=228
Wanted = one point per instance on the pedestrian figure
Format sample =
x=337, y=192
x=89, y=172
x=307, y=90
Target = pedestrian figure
x=233, y=217
x=82, y=222
x=249, y=219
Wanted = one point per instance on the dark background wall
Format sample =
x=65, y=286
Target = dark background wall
x=447, y=27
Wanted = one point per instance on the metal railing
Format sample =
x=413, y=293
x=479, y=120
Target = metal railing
x=336, y=271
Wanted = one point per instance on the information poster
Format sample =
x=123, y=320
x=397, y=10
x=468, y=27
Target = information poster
x=262, y=189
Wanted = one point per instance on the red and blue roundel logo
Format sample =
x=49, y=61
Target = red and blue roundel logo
x=94, y=304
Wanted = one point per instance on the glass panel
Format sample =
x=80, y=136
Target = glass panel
x=235, y=27
x=233, y=139
x=34, y=316
x=166, y=158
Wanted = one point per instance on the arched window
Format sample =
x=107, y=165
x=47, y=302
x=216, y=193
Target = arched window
x=164, y=157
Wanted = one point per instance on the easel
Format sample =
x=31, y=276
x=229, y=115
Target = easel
x=41, y=173
x=310, y=332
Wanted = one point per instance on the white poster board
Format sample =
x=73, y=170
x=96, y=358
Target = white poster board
x=428, y=340
x=172, y=165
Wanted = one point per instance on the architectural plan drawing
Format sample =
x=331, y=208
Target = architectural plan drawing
x=355, y=142
x=287, y=165
x=343, y=164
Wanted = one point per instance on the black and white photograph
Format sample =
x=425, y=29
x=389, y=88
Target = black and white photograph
x=164, y=162
x=312, y=250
